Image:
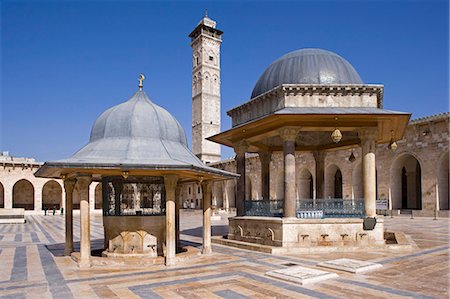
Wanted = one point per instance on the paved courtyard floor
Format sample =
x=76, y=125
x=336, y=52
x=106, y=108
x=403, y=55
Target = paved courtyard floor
x=32, y=266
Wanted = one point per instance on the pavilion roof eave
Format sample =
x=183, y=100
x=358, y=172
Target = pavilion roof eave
x=318, y=118
x=185, y=172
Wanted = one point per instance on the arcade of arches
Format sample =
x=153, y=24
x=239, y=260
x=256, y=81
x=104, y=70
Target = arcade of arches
x=414, y=177
x=19, y=188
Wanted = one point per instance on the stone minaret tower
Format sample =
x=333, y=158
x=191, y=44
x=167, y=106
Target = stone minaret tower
x=205, y=43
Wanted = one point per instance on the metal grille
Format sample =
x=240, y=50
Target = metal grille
x=133, y=197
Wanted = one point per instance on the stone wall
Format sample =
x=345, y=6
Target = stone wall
x=20, y=188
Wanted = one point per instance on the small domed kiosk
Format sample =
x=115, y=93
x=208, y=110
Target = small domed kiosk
x=314, y=101
x=139, y=152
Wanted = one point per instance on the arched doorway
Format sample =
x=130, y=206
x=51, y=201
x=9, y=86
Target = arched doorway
x=51, y=195
x=443, y=182
x=338, y=184
x=357, y=183
x=305, y=185
x=333, y=182
x=98, y=196
x=2, y=196
x=406, y=183
x=23, y=195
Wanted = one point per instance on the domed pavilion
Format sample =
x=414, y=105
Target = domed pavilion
x=139, y=152
x=310, y=100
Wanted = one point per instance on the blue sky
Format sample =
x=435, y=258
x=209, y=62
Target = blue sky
x=65, y=62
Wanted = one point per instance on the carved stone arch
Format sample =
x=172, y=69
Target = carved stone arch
x=23, y=194
x=304, y=184
x=51, y=195
x=333, y=182
x=406, y=181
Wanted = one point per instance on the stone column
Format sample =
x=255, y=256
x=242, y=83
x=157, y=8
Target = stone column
x=69, y=185
x=207, y=192
x=177, y=215
x=225, y=196
x=319, y=157
x=240, y=149
x=8, y=196
x=92, y=196
x=170, y=182
x=264, y=158
x=38, y=197
x=369, y=170
x=83, y=183
x=289, y=134
x=63, y=198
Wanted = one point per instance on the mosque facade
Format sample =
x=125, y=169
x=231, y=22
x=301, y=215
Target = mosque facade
x=413, y=178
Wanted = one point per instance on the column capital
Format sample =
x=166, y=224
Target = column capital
x=289, y=133
x=84, y=181
x=69, y=185
x=241, y=147
x=170, y=181
x=206, y=186
x=265, y=156
x=319, y=155
x=368, y=134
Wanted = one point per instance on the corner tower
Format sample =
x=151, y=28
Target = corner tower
x=205, y=43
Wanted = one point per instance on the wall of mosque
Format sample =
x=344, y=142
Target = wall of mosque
x=19, y=188
x=414, y=177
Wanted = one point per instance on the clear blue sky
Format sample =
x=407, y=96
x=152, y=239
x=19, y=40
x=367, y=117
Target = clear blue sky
x=65, y=62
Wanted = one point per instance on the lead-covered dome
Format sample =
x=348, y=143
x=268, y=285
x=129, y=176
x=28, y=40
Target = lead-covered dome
x=307, y=66
x=137, y=132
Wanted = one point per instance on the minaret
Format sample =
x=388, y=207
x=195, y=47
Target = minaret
x=205, y=43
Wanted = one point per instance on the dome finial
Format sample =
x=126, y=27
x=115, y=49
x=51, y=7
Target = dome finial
x=141, y=79
x=206, y=12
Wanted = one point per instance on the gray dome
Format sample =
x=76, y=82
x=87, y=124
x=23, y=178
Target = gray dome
x=138, y=118
x=307, y=66
x=136, y=132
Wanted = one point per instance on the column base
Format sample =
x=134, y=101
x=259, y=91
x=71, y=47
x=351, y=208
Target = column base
x=85, y=264
x=207, y=250
x=68, y=251
x=169, y=261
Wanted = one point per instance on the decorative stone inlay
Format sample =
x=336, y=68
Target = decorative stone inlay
x=350, y=265
x=302, y=275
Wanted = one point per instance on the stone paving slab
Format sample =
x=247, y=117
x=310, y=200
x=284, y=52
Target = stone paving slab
x=33, y=265
x=302, y=275
x=350, y=265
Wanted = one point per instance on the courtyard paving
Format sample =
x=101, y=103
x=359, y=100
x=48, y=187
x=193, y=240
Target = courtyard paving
x=32, y=266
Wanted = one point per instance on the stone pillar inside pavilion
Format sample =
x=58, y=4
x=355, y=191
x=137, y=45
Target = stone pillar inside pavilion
x=369, y=171
x=288, y=136
x=83, y=183
x=240, y=150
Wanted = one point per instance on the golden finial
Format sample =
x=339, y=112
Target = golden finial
x=141, y=79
